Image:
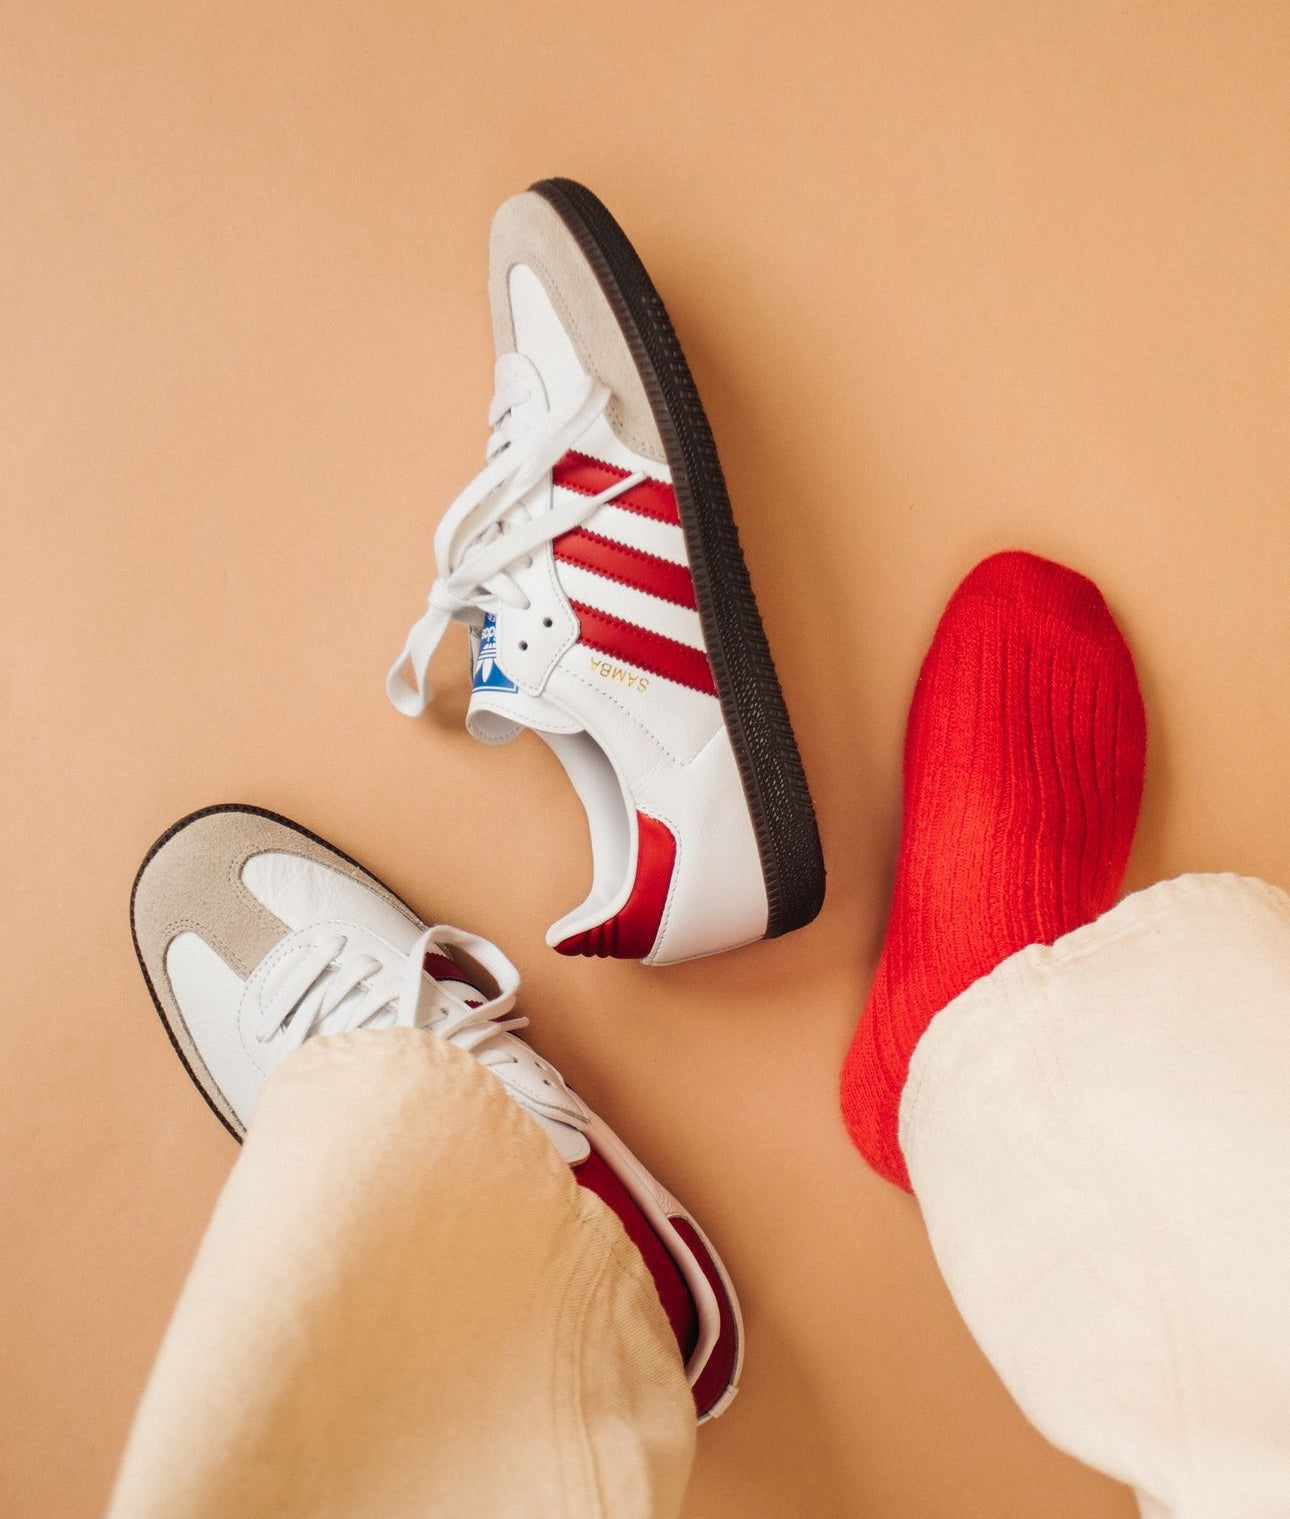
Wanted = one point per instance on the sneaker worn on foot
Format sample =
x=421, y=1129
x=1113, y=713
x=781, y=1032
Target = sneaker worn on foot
x=597, y=564
x=255, y=935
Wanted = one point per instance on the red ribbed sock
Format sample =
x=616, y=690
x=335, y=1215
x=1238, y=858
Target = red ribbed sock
x=1024, y=759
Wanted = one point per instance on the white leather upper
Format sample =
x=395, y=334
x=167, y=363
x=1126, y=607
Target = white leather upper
x=664, y=744
x=540, y=337
x=209, y=994
x=225, y=1016
x=300, y=892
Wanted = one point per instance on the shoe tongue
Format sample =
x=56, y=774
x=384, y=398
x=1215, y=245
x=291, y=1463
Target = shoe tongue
x=498, y=709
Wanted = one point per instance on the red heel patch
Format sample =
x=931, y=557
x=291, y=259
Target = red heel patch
x=631, y=932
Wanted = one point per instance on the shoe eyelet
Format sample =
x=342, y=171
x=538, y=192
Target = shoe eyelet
x=547, y=623
x=523, y=645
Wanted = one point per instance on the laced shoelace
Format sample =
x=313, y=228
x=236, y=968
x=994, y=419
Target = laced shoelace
x=485, y=533
x=324, y=977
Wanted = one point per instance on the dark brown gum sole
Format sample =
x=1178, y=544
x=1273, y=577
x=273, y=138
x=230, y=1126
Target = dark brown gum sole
x=748, y=689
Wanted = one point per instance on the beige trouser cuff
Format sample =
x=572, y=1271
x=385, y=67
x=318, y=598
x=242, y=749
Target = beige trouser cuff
x=1099, y=1136
x=405, y=1306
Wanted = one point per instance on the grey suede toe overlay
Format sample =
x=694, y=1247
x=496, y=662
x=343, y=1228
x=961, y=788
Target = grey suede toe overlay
x=528, y=230
x=192, y=883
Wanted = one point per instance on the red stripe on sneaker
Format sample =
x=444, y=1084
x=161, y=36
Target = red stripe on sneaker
x=589, y=477
x=596, y=1174
x=442, y=968
x=718, y=1373
x=649, y=651
x=628, y=566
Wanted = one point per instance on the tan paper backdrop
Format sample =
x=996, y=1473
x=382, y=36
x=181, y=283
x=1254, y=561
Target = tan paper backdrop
x=953, y=277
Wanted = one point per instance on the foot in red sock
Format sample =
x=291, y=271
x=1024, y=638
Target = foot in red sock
x=1024, y=759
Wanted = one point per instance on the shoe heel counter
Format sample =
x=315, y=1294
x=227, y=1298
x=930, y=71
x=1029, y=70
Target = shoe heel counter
x=717, y=899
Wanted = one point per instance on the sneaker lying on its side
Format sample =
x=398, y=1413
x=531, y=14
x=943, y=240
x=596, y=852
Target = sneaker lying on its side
x=597, y=565
x=309, y=943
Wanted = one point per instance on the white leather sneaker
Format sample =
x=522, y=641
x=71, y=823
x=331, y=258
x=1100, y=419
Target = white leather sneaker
x=254, y=935
x=597, y=564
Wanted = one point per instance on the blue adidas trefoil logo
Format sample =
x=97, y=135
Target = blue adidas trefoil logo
x=489, y=675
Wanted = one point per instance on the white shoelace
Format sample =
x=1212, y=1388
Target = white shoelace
x=485, y=532
x=323, y=978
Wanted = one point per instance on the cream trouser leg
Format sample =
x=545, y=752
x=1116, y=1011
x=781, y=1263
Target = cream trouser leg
x=404, y=1306
x=1099, y=1136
